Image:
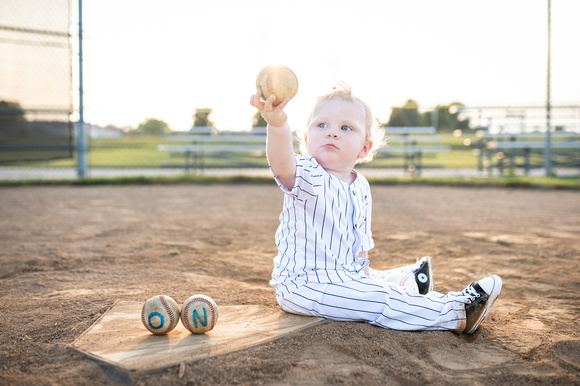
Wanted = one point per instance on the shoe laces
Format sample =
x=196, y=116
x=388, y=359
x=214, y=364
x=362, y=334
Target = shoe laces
x=472, y=293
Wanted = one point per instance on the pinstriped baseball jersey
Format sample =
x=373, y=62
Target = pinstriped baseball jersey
x=324, y=225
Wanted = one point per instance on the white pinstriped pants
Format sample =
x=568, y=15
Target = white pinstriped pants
x=376, y=302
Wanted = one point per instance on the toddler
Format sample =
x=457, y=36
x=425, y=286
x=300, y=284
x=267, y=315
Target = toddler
x=322, y=267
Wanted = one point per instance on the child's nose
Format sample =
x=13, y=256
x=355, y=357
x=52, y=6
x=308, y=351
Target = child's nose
x=332, y=133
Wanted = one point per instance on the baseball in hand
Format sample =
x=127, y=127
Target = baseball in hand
x=278, y=80
x=160, y=314
x=199, y=314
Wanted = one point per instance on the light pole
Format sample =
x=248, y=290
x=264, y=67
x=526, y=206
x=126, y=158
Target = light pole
x=81, y=147
x=548, y=161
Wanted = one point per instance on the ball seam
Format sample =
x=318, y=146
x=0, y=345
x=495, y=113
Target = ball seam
x=269, y=84
x=143, y=318
x=169, y=312
x=185, y=319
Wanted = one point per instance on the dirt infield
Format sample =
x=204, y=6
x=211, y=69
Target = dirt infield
x=68, y=253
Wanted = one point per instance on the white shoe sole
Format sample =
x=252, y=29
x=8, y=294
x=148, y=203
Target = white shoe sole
x=495, y=290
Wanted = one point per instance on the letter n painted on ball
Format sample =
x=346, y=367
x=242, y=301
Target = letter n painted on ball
x=196, y=318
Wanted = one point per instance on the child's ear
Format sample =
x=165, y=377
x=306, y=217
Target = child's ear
x=368, y=145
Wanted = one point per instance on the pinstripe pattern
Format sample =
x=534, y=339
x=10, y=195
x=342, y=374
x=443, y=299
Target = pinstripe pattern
x=325, y=223
x=382, y=304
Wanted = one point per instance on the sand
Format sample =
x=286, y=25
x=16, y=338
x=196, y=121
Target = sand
x=68, y=253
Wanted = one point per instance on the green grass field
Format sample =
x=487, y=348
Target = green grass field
x=141, y=152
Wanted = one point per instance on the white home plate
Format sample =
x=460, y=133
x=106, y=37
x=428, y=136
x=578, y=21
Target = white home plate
x=120, y=340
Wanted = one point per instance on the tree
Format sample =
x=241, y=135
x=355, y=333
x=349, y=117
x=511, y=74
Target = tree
x=258, y=120
x=405, y=116
x=12, y=120
x=450, y=118
x=201, y=117
x=153, y=126
x=445, y=118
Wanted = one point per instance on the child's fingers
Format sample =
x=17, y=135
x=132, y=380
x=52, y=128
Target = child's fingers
x=255, y=100
x=283, y=104
x=270, y=102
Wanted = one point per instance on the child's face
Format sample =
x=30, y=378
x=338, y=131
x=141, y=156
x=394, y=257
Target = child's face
x=336, y=135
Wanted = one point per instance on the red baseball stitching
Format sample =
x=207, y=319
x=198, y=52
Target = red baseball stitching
x=143, y=317
x=168, y=310
x=185, y=320
x=269, y=82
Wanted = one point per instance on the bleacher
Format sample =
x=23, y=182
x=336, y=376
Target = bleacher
x=411, y=144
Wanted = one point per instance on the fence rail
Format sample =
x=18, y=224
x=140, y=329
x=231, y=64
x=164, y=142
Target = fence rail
x=412, y=142
x=507, y=151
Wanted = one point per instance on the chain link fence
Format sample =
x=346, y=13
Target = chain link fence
x=37, y=130
x=35, y=81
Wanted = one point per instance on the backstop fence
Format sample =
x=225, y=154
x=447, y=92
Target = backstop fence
x=35, y=80
x=37, y=134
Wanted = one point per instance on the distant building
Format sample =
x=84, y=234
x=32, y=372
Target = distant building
x=98, y=132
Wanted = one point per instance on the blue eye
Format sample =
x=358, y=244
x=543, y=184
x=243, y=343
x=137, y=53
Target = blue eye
x=322, y=125
x=346, y=128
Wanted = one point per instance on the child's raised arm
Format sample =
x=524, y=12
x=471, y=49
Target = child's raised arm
x=279, y=146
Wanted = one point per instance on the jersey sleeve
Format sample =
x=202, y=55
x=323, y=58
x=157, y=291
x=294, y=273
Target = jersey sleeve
x=367, y=242
x=308, y=180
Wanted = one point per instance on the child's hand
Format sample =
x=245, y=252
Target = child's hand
x=274, y=115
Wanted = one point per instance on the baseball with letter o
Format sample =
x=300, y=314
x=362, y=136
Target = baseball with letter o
x=160, y=314
x=199, y=314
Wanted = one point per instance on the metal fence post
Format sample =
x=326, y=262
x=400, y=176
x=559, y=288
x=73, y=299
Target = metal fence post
x=548, y=152
x=81, y=136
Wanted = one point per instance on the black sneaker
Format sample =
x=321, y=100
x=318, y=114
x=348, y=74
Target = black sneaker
x=482, y=294
x=424, y=275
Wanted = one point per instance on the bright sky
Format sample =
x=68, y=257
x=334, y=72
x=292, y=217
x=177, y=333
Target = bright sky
x=152, y=59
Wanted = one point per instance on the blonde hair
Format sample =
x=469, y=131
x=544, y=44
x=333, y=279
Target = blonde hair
x=373, y=132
